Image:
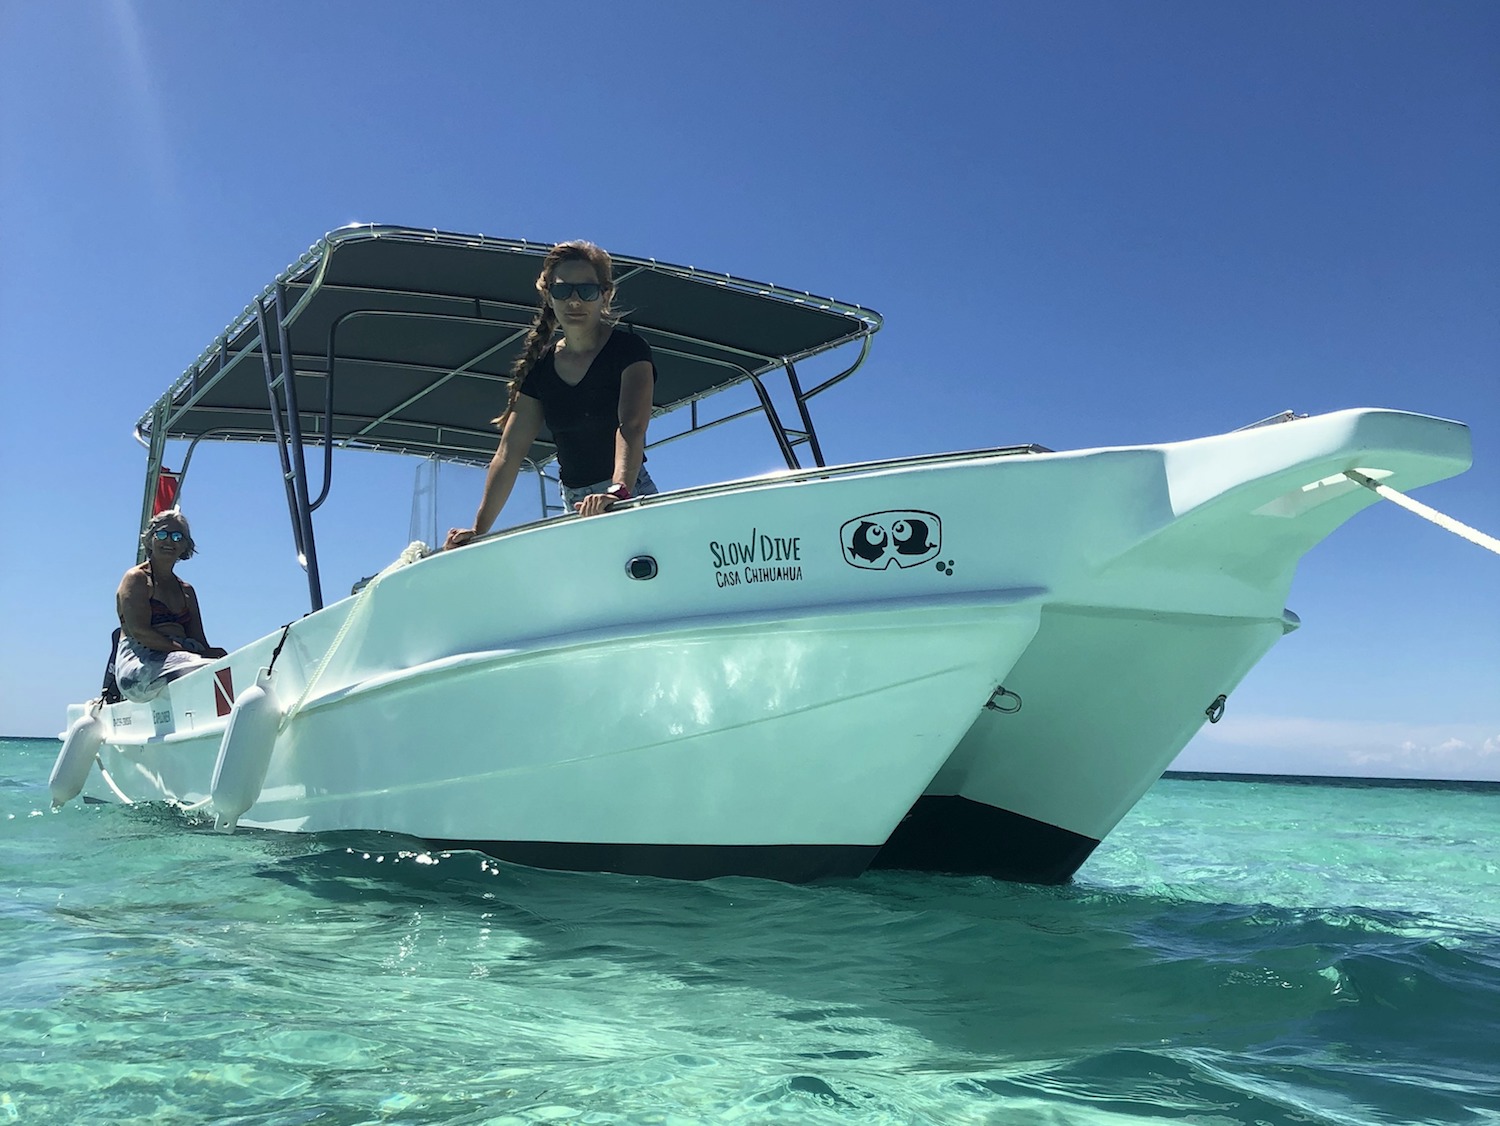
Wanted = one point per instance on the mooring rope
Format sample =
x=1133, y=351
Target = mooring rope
x=110, y=782
x=1441, y=519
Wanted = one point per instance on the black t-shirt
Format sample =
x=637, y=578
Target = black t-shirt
x=585, y=419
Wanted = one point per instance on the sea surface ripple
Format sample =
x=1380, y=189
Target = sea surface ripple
x=1237, y=952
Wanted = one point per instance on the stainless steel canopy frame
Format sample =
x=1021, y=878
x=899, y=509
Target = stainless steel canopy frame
x=401, y=340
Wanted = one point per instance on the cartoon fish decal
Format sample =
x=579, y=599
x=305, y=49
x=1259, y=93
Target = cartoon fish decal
x=868, y=542
x=903, y=536
x=910, y=537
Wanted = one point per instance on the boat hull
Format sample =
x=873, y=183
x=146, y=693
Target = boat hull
x=790, y=676
x=761, y=706
x=788, y=749
x=1131, y=657
x=1108, y=699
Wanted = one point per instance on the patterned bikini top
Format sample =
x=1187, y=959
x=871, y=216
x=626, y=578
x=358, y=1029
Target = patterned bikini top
x=161, y=615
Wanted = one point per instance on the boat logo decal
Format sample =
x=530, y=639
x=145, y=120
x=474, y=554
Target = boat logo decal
x=223, y=692
x=760, y=557
x=906, y=537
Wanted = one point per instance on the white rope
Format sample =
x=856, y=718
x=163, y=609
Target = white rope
x=110, y=782
x=1442, y=520
x=414, y=551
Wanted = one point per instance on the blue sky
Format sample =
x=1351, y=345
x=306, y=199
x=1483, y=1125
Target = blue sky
x=1085, y=224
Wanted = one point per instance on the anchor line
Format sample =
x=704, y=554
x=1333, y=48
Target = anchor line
x=110, y=782
x=1417, y=508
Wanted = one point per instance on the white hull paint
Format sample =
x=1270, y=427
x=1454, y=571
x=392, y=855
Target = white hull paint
x=1127, y=662
x=813, y=656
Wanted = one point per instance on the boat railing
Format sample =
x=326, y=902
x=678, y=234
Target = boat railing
x=1273, y=420
x=789, y=477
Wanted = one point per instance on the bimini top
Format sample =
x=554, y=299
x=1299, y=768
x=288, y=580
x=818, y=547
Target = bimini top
x=402, y=340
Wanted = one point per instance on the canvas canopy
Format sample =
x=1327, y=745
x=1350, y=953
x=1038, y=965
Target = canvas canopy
x=401, y=340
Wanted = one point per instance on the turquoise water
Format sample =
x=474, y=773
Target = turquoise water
x=1235, y=953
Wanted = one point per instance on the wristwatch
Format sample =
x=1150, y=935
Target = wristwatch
x=617, y=491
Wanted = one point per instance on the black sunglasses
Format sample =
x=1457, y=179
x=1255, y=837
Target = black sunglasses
x=586, y=291
x=163, y=535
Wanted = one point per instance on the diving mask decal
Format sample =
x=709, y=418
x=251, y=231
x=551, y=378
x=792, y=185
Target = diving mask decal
x=906, y=537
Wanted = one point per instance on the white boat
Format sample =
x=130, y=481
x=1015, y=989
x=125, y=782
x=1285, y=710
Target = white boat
x=969, y=662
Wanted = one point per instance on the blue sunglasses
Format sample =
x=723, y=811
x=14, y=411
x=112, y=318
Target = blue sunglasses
x=163, y=535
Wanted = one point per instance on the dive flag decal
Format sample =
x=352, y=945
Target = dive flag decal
x=223, y=692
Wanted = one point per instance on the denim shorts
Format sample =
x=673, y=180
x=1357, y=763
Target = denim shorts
x=644, y=487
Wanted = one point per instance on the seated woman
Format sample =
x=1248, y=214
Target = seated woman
x=161, y=629
x=590, y=381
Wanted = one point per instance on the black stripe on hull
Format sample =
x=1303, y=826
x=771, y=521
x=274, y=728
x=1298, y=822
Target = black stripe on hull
x=947, y=833
x=793, y=864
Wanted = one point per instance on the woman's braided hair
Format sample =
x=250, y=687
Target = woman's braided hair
x=544, y=326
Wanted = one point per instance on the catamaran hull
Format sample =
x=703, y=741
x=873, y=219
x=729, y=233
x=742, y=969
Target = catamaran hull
x=711, y=684
x=786, y=750
x=1107, y=702
x=1112, y=688
x=789, y=677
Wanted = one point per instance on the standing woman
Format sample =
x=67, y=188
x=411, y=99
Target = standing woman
x=590, y=381
x=161, y=627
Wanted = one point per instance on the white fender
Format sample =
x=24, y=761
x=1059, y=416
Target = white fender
x=245, y=752
x=80, y=747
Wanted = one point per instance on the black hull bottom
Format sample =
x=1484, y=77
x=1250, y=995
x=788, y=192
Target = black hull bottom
x=957, y=835
x=793, y=864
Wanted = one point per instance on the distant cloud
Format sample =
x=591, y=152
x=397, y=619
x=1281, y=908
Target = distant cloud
x=1357, y=748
